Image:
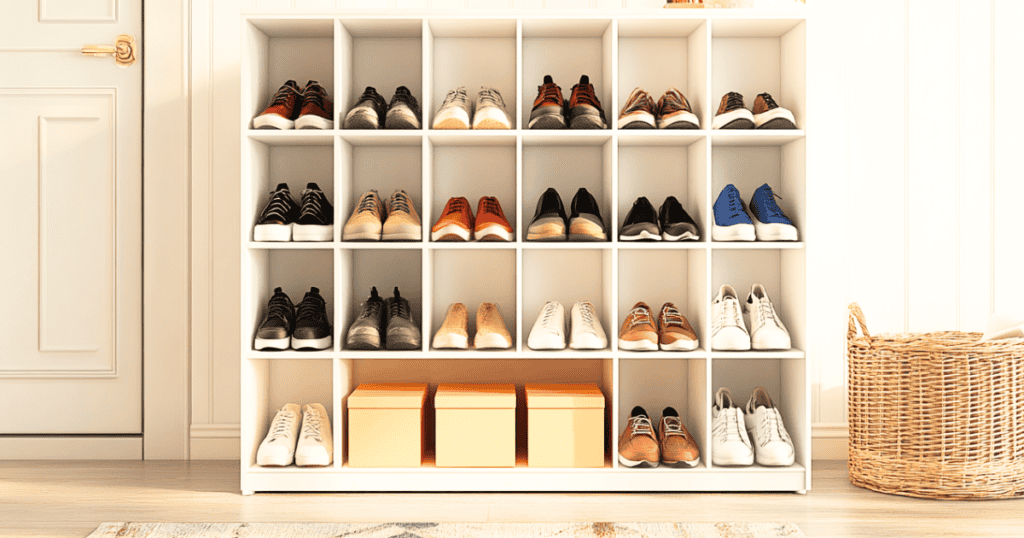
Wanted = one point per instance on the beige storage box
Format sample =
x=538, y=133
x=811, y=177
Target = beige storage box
x=565, y=425
x=385, y=425
x=476, y=425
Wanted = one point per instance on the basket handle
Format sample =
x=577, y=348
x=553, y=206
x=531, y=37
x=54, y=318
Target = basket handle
x=858, y=316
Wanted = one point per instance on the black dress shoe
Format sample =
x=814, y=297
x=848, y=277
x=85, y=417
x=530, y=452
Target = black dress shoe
x=676, y=223
x=549, y=222
x=585, y=223
x=641, y=222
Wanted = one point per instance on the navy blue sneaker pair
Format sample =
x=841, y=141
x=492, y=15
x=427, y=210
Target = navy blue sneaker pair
x=733, y=224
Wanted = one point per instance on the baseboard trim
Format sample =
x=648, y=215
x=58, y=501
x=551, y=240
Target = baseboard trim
x=71, y=448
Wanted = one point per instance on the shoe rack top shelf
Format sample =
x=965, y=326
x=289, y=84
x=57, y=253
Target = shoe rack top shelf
x=566, y=137
x=527, y=245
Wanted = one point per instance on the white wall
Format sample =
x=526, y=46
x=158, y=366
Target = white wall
x=913, y=185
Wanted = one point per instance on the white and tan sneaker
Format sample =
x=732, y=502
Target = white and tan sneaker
x=278, y=447
x=548, y=331
x=586, y=331
x=772, y=444
x=766, y=329
x=315, y=447
x=728, y=332
x=730, y=444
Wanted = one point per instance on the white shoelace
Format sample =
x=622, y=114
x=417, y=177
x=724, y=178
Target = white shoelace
x=311, y=204
x=311, y=425
x=674, y=426
x=766, y=313
x=730, y=314
x=587, y=316
x=771, y=428
x=729, y=427
x=640, y=425
x=456, y=97
x=282, y=425
x=548, y=316
x=638, y=316
x=490, y=96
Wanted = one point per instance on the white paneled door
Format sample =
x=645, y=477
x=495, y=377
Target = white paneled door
x=71, y=185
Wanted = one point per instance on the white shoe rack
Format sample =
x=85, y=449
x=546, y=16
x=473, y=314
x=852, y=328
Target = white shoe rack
x=704, y=53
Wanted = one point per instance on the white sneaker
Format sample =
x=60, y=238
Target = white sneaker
x=586, y=331
x=773, y=447
x=278, y=448
x=728, y=332
x=315, y=443
x=549, y=329
x=766, y=329
x=730, y=444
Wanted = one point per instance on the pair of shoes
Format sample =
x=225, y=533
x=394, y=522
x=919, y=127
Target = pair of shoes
x=373, y=112
x=731, y=443
x=767, y=114
x=585, y=332
x=286, y=442
x=672, y=332
x=583, y=110
x=370, y=222
x=488, y=112
x=550, y=223
x=729, y=333
x=640, y=446
x=302, y=327
x=490, y=329
x=284, y=220
x=384, y=324
x=671, y=222
x=457, y=223
x=733, y=224
x=672, y=111
x=297, y=108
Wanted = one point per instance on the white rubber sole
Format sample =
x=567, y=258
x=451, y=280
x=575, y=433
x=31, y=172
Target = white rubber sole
x=275, y=343
x=729, y=344
x=310, y=121
x=451, y=341
x=312, y=343
x=282, y=461
x=733, y=462
x=402, y=236
x=272, y=121
x=774, y=462
x=451, y=118
x=317, y=460
x=451, y=230
x=740, y=115
x=686, y=236
x=272, y=232
x=774, y=232
x=631, y=463
x=736, y=232
x=586, y=342
x=683, y=464
x=680, y=345
x=685, y=117
x=773, y=114
x=643, y=235
x=490, y=341
x=771, y=343
x=642, y=117
x=494, y=232
x=638, y=345
x=546, y=343
x=311, y=232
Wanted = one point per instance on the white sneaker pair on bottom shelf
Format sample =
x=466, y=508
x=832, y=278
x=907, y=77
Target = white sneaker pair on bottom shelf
x=548, y=331
x=730, y=441
x=284, y=442
x=729, y=333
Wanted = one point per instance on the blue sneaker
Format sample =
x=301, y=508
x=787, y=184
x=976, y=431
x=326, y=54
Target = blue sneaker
x=731, y=221
x=769, y=220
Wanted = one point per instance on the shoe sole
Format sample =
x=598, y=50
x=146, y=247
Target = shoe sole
x=451, y=341
x=363, y=236
x=272, y=121
x=774, y=232
x=642, y=236
x=680, y=345
x=641, y=120
x=312, y=462
x=777, y=118
x=550, y=229
x=685, y=236
x=451, y=232
x=643, y=464
x=730, y=346
x=494, y=232
x=738, y=232
x=681, y=464
x=363, y=342
x=778, y=123
x=637, y=345
x=311, y=343
x=732, y=463
x=735, y=119
x=587, y=122
x=312, y=232
x=583, y=229
x=409, y=345
x=310, y=121
x=452, y=124
x=774, y=463
x=272, y=232
x=400, y=122
x=272, y=343
x=283, y=462
x=489, y=124
x=547, y=118
x=741, y=123
x=637, y=125
x=491, y=341
x=401, y=236
x=680, y=121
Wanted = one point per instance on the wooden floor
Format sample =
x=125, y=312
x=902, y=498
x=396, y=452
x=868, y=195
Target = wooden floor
x=58, y=499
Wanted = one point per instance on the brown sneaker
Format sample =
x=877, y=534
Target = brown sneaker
x=491, y=224
x=549, y=106
x=283, y=108
x=367, y=219
x=490, y=328
x=403, y=223
x=678, y=449
x=674, y=112
x=675, y=332
x=638, y=446
x=638, y=332
x=732, y=113
x=769, y=115
x=585, y=110
x=455, y=223
x=638, y=113
x=317, y=110
x=454, y=332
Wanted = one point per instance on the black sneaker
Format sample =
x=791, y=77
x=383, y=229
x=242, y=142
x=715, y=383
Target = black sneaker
x=675, y=222
x=404, y=112
x=585, y=110
x=369, y=112
x=365, y=332
x=585, y=223
x=641, y=222
x=549, y=220
x=275, y=331
x=316, y=220
x=402, y=331
x=312, y=327
x=275, y=222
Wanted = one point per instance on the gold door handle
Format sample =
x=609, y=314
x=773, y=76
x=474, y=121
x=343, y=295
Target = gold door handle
x=125, y=50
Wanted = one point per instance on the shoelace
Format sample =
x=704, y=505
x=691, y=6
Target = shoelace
x=371, y=308
x=585, y=95
x=639, y=315
x=399, y=202
x=456, y=97
x=730, y=427
x=372, y=95
x=771, y=427
x=278, y=207
x=550, y=93
x=771, y=206
x=282, y=425
x=311, y=204
x=491, y=96
x=278, y=307
x=548, y=316
x=587, y=315
x=735, y=205
x=674, y=426
x=730, y=314
x=457, y=205
x=399, y=308
x=314, y=95
x=639, y=100
x=672, y=101
x=640, y=425
x=491, y=205
x=766, y=313
x=672, y=316
x=368, y=203
x=733, y=101
x=312, y=308
x=768, y=101
x=281, y=97
x=402, y=95
x=311, y=426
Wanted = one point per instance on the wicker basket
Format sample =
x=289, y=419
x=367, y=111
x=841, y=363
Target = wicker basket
x=935, y=415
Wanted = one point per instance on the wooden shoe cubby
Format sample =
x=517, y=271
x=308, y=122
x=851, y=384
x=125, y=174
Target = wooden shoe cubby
x=704, y=53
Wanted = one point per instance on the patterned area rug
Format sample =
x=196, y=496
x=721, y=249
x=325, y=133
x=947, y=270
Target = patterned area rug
x=447, y=530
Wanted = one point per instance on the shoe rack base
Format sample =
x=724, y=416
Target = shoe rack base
x=703, y=53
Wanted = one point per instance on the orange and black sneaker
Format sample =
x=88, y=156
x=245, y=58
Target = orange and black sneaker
x=585, y=110
x=455, y=223
x=317, y=111
x=282, y=110
x=674, y=112
x=549, y=106
x=769, y=115
x=732, y=113
x=491, y=224
x=638, y=113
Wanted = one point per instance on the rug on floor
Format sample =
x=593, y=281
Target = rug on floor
x=447, y=530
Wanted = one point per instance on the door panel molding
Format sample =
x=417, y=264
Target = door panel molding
x=102, y=11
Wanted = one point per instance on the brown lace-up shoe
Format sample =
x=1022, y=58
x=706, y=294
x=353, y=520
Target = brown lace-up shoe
x=732, y=113
x=638, y=331
x=455, y=223
x=638, y=112
x=367, y=220
x=678, y=449
x=549, y=106
x=282, y=110
x=317, y=111
x=769, y=115
x=403, y=223
x=674, y=112
x=490, y=328
x=676, y=334
x=638, y=445
x=454, y=332
x=491, y=224
x=585, y=110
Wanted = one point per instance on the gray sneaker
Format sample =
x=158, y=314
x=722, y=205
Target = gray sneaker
x=402, y=331
x=365, y=331
x=491, y=112
x=455, y=111
x=369, y=111
x=404, y=111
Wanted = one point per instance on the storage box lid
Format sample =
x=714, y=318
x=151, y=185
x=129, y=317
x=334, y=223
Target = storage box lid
x=564, y=396
x=475, y=396
x=388, y=396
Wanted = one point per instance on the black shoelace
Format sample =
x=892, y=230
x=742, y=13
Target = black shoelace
x=735, y=204
x=491, y=97
x=371, y=308
x=311, y=309
x=769, y=101
x=585, y=95
x=279, y=307
x=315, y=95
x=399, y=308
x=372, y=95
x=734, y=101
x=399, y=202
x=457, y=204
x=456, y=97
x=278, y=207
x=281, y=96
x=368, y=203
x=311, y=205
x=772, y=207
x=402, y=95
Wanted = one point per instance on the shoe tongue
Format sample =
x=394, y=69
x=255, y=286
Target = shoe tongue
x=292, y=84
x=397, y=295
x=548, y=79
x=312, y=186
x=373, y=293
x=638, y=411
x=277, y=290
x=584, y=80
x=281, y=187
x=314, y=290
